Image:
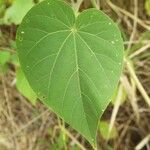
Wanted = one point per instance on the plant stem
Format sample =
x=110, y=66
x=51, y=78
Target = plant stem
x=62, y=127
x=74, y=139
x=64, y=135
x=95, y=4
x=138, y=83
x=95, y=148
x=76, y=6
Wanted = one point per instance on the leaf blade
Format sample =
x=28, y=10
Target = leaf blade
x=73, y=66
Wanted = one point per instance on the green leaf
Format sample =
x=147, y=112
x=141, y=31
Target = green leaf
x=4, y=69
x=24, y=87
x=122, y=93
x=147, y=6
x=74, y=63
x=14, y=59
x=60, y=141
x=104, y=130
x=4, y=57
x=17, y=11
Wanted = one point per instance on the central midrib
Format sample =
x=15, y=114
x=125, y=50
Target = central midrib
x=79, y=84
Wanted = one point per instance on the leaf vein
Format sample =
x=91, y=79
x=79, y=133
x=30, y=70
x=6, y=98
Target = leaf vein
x=82, y=27
x=66, y=89
x=51, y=70
x=41, y=60
x=35, y=28
x=96, y=58
x=50, y=18
x=41, y=39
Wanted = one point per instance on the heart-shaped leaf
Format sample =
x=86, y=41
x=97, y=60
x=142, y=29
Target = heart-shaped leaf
x=73, y=63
